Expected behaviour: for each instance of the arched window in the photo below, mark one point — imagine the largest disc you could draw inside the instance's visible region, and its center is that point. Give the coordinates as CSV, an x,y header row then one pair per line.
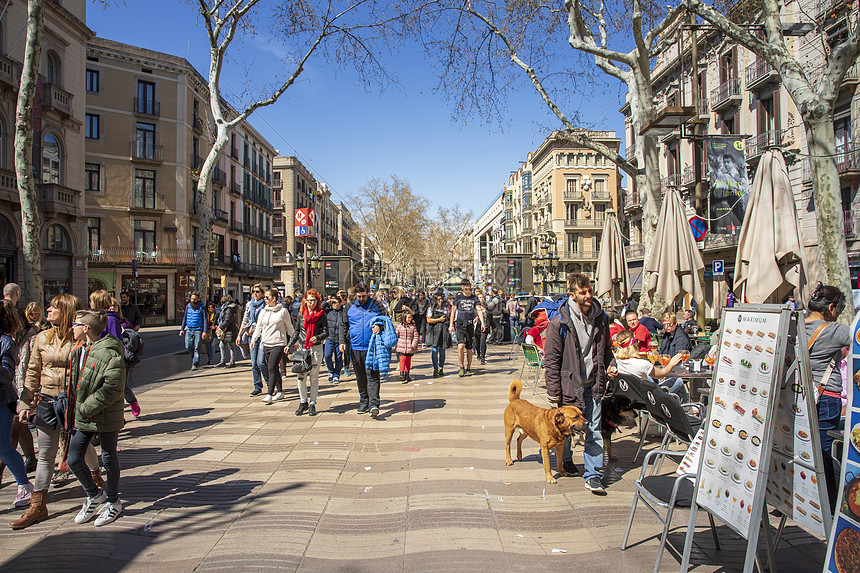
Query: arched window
x,y
53,71
50,160
58,239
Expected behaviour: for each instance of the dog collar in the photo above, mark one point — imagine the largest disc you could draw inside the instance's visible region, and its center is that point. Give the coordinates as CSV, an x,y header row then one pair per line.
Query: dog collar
x,y
613,426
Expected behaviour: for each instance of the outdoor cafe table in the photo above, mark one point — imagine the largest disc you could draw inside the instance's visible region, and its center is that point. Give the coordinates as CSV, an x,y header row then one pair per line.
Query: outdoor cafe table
x,y
696,381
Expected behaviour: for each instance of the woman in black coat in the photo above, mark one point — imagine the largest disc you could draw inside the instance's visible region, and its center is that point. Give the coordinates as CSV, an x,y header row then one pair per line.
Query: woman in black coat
x,y
229,323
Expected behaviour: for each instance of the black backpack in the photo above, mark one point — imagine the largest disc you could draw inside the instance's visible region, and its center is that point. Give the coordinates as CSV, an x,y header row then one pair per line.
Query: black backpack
x,y
133,344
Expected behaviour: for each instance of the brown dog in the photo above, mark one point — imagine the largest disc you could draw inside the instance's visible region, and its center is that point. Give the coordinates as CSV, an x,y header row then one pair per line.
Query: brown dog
x,y
548,427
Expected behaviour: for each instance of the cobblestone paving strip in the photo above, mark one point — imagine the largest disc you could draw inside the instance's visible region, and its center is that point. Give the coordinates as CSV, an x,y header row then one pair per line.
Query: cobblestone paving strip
x,y
216,481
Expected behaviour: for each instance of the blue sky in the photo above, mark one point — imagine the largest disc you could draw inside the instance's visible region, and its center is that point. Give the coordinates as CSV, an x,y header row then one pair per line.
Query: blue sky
x,y
348,135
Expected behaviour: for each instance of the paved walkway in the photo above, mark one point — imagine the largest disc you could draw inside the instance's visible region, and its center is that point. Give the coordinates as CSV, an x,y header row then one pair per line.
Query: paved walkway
x,y
214,480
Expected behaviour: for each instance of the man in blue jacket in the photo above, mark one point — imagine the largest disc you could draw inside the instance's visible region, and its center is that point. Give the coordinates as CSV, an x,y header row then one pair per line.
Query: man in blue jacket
x,y
194,327
357,326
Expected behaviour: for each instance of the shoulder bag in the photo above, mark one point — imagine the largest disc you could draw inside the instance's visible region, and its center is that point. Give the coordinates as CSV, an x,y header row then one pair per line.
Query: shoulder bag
x,y
819,390
302,361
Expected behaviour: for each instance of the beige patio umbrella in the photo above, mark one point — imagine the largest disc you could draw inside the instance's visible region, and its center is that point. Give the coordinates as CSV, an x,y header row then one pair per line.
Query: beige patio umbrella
x,y
675,265
770,262
612,274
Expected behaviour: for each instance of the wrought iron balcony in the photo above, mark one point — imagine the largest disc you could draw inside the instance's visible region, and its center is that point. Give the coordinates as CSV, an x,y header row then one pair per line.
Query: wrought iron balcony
x,y
636,251
726,94
579,256
759,73
583,223
758,144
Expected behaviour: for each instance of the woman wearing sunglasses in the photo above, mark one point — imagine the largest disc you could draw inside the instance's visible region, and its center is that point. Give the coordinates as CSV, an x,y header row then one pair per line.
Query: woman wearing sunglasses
x,y
47,376
273,328
311,332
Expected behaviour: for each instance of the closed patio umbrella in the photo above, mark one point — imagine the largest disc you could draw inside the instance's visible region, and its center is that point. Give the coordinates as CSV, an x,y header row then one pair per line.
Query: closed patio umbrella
x,y
612,274
770,263
675,265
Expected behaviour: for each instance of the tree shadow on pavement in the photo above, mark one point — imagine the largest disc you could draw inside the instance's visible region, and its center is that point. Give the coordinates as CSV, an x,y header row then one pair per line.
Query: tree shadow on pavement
x,y
137,457
168,427
410,406
183,504
177,414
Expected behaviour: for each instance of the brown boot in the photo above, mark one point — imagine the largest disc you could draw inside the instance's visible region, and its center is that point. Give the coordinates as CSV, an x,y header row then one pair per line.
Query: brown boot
x,y
37,511
97,477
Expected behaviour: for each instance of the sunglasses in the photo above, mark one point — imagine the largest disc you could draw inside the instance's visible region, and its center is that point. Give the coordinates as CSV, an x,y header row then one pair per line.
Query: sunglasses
x,y
311,300
78,324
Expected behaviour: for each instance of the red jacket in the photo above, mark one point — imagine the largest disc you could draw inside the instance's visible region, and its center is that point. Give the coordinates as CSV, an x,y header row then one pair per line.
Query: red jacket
x,y
407,338
643,337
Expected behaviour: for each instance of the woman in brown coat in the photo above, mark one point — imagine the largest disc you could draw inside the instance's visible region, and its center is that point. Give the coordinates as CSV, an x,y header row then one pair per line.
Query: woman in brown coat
x,y
46,375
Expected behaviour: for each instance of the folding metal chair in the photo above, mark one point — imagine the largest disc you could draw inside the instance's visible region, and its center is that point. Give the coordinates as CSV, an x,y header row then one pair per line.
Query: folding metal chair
x,y
515,333
533,359
664,491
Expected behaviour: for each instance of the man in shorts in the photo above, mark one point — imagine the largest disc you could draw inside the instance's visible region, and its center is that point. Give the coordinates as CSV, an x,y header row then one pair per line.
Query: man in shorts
x,y
463,314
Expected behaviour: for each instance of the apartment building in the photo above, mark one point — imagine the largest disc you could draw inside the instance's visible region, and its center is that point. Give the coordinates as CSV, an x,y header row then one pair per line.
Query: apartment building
x,y
488,234
554,208
740,96
58,146
147,130
324,255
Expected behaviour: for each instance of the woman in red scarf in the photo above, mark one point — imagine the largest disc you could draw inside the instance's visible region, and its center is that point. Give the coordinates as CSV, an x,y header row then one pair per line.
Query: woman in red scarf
x,y
311,332
536,335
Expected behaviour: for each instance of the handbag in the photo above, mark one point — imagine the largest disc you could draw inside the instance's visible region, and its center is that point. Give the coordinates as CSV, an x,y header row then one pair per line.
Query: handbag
x,y
46,416
302,361
220,333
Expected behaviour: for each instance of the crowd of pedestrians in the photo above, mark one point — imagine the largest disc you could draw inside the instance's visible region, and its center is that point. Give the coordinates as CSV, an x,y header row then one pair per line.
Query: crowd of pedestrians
x,y
63,378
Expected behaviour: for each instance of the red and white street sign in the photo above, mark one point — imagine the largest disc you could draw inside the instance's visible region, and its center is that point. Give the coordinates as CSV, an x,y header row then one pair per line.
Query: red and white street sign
x,y
301,217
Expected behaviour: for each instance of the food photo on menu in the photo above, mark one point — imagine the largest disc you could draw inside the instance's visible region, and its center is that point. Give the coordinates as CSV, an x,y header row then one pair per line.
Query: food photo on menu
x,y
852,435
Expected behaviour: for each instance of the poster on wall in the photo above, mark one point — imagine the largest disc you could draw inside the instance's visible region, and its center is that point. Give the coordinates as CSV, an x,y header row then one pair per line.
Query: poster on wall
x,y
729,185
843,551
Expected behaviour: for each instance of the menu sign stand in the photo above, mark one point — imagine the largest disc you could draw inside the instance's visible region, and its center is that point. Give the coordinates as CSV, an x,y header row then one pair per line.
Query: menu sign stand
x,y
843,551
761,442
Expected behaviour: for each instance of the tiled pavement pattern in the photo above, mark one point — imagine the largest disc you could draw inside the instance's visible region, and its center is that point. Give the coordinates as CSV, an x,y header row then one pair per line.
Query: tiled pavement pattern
x,y
216,481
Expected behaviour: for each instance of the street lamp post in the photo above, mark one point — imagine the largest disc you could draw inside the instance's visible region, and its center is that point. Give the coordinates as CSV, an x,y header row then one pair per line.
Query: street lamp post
x,y
546,260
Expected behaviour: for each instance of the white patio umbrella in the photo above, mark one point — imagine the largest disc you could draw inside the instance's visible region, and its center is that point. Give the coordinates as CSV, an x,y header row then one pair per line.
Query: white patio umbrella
x,y
612,274
770,263
674,263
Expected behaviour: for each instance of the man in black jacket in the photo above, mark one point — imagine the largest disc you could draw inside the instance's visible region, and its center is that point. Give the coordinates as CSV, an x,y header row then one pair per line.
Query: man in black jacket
x,y
578,352
129,310
675,339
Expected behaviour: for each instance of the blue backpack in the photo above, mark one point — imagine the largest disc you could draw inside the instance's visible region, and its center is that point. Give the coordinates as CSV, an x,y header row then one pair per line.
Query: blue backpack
x,y
551,308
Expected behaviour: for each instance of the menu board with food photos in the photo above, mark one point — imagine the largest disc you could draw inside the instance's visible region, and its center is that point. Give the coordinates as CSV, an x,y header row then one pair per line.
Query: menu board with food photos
x,y
761,436
843,552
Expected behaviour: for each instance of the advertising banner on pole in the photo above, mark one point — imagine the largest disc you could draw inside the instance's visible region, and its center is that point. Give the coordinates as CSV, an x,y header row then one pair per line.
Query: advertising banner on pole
x,y
729,184
843,551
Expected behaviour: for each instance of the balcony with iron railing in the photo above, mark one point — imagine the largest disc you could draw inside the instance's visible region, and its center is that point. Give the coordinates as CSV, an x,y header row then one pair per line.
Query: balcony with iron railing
x,y
197,124
278,230
156,256
9,72
57,100
704,107
572,196
600,195
632,202
848,221
196,161
635,252
758,144
235,189
848,160
143,106
670,181
585,223
236,226
221,215
219,176
759,73
146,201
142,151
256,270
278,183
726,94
578,255
234,152
715,242
688,177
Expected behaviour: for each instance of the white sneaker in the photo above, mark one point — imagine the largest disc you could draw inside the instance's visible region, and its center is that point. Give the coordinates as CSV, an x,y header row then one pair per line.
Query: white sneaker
x,y
23,497
109,513
277,396
267,398
89,507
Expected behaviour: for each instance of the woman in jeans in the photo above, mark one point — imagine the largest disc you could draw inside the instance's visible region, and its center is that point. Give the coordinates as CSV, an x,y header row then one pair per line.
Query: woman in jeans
x,y
47,374
228,321
311,332
273,328
827,337
9,327
437,336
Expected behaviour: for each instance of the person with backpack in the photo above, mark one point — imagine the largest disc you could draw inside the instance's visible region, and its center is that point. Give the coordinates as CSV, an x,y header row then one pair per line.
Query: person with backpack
x,y
333,358
495,307
228,325
578,359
